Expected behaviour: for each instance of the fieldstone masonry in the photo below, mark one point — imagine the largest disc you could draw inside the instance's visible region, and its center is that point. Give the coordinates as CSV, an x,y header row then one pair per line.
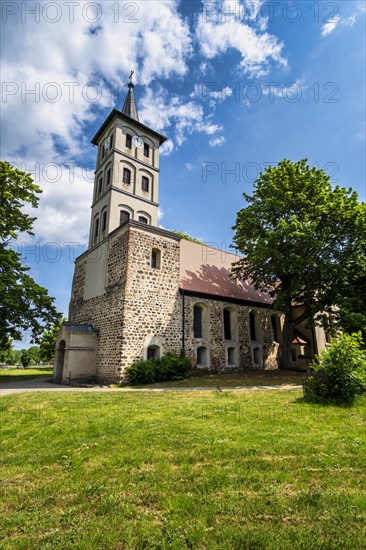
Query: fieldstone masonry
x,y
142,306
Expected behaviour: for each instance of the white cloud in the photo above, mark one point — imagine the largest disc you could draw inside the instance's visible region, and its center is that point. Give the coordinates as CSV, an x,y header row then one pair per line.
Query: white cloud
x,y
217,142
48,126
330,25
338,21
161,111
217,33
189,166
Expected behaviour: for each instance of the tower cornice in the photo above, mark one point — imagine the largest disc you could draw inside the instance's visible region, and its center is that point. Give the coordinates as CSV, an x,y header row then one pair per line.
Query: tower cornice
x,y
115,114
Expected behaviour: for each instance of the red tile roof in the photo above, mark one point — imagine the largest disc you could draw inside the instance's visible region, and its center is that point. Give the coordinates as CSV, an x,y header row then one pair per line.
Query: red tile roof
x,y
206,270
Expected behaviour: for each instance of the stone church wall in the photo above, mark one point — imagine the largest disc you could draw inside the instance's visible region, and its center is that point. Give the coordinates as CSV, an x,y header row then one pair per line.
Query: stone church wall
x,y
141,306
104,312
213,336
152,311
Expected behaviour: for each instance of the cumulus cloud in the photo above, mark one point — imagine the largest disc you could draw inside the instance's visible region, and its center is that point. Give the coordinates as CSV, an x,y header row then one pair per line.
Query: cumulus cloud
x,y
217,142
67,73
224,28
61,78
163,111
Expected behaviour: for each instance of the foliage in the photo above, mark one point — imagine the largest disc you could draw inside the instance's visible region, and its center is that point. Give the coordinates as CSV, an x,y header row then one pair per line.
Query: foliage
x,y
340,371
172,366
300,240
187,237
24,304
30,356
48,341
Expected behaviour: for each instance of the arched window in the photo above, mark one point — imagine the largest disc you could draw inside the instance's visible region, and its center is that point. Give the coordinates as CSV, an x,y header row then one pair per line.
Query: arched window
x,y
199,320
155,258
124,217
111,141
252,327
257,356
109,174
142,219
126,176
100,185
96,228
275,328
153,352
145,184
201,356
231,356
104,221
228,324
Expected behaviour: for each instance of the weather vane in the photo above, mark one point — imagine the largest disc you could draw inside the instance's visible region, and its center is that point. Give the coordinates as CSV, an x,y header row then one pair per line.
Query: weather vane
x,y
130,77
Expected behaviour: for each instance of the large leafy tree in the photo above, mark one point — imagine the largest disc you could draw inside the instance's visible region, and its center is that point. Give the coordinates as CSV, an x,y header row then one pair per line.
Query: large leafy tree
x,y
48,341
24,304
302,242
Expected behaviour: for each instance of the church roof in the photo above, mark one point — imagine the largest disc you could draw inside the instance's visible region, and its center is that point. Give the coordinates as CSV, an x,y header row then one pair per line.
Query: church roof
x,y
206,271
129,107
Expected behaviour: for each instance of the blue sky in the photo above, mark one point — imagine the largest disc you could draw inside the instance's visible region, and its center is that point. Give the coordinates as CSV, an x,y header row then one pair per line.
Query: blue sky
x,y
231,91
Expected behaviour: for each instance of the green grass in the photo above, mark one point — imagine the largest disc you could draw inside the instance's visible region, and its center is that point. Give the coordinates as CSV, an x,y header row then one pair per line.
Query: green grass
x,y
204,470
239,379
16,375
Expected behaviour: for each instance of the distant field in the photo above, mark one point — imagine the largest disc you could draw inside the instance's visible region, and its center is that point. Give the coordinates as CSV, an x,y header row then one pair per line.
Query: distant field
x,y
181,470
15,374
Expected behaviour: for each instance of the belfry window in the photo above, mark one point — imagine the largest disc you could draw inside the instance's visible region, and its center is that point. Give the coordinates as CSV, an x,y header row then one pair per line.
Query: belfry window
x,y
96,229
100,185
146,150
124,217
126,176
108,177
128,141
145,184
142,219
104,221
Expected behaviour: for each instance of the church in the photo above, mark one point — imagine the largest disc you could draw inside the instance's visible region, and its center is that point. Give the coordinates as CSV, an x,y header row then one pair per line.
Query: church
x,y
140,291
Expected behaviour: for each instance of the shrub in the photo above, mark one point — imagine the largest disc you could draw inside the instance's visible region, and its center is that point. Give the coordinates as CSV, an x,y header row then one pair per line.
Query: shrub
x,y
172,366
340,371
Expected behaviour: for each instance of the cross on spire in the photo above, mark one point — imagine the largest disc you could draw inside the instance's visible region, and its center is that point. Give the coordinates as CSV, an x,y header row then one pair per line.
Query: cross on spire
x,y
129,107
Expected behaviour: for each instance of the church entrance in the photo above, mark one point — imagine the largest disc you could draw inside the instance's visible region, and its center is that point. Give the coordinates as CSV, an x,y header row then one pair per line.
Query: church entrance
x,y
60,359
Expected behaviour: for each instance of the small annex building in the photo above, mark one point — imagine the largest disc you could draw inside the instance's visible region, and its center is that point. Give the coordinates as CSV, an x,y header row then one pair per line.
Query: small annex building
x,y
140,291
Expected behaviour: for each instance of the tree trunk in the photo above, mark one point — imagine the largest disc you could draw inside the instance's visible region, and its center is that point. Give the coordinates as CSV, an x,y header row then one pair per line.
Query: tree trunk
x,y
288,329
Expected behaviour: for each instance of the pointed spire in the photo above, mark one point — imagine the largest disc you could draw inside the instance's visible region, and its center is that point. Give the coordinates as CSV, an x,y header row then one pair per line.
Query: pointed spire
x,y
129,107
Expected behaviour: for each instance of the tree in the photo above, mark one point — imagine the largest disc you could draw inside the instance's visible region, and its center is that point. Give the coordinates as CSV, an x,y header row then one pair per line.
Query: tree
x,y
23,304
300,239
48,341
30,356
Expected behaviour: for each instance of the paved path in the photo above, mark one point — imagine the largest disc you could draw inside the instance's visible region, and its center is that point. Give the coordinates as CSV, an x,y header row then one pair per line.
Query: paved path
x,y
42,384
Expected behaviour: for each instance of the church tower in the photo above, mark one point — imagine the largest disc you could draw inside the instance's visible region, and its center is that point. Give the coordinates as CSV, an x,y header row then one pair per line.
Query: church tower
x,y
126,185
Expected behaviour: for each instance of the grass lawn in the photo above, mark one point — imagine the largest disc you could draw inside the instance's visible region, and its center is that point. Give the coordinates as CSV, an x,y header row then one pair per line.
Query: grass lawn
x,y
246,378
15,375
204,470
